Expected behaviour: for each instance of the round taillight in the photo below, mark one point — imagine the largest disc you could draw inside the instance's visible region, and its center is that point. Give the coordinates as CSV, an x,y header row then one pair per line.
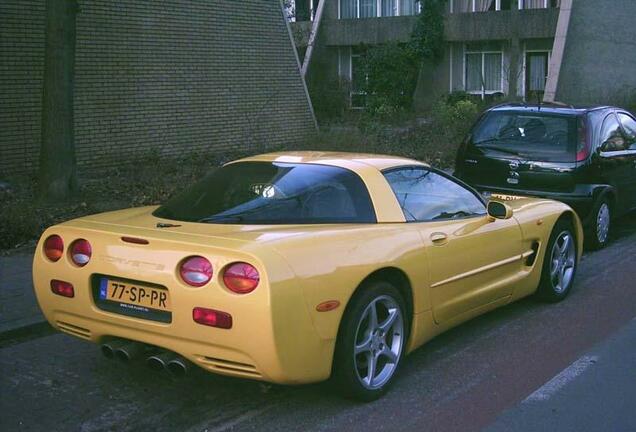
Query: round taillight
x,y
54,247
241,278
81,252
196,271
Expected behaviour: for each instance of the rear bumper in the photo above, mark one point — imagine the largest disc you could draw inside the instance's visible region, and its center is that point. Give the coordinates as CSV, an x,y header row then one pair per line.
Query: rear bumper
x,y
581,200
272,338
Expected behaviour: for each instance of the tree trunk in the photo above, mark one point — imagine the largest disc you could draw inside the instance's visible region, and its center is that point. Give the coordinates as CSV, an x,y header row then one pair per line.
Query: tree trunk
x,y
57,177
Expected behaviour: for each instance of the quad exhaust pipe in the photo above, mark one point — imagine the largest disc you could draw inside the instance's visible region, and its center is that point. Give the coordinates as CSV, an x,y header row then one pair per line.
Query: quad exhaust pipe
x,y
127,351
110,348
171,362
122,350
178,367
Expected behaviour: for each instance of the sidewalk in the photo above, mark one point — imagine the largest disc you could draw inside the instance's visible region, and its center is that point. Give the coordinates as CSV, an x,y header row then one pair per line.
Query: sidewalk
x,y
18,306
595,393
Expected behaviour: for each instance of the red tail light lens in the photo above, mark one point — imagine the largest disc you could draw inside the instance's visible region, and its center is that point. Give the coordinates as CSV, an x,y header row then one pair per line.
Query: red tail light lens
x,y
212,318
54,247
81,252
196,271
241,278
62,288
584,145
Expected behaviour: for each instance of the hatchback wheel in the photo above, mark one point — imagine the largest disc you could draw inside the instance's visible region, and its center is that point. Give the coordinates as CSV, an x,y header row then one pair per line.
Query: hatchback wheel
x,y
559,263
599,235
370,342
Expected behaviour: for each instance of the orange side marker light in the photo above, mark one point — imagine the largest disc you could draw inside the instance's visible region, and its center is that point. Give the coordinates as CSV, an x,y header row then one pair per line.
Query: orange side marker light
x,y
328,305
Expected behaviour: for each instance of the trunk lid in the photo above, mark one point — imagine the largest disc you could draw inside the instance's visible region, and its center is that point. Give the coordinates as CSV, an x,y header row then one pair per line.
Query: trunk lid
x,y
141,223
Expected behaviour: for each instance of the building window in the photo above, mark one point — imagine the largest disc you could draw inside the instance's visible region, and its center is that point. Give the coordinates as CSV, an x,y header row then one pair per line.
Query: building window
x,y
378,8
539,4
483,73
358,78
351,70
536,65
464,6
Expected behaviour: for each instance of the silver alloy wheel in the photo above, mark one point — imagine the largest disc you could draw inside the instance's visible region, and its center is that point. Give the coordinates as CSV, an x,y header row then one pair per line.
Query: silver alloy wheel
x,y
378,342
602,223
562,262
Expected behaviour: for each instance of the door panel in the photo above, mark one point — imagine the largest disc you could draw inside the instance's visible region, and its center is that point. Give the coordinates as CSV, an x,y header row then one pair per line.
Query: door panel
x,y
473,262
629,128
618,162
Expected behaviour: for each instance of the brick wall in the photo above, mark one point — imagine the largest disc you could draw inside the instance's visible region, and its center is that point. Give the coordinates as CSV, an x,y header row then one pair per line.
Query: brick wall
x,y
21,65
166,76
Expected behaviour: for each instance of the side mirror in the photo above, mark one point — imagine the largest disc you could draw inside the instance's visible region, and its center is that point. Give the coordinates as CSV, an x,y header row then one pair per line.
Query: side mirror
x,y
616,143
499,210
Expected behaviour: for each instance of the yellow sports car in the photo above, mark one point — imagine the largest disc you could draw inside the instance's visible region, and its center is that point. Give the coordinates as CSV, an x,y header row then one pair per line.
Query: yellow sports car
x,y
296,267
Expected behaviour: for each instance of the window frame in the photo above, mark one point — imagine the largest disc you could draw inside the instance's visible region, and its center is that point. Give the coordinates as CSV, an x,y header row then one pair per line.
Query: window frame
x,y
522,5
632,144
612,153
483,53
524,67
497,7
378,10
447,176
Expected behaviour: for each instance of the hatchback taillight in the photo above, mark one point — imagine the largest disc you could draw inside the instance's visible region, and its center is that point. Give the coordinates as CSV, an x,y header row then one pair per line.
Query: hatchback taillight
x,y
241,278
62,288
54,247
81,252
584,144
196,271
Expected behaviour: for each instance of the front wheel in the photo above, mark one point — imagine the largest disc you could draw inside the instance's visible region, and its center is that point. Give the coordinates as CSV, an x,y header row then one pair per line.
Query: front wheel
x,y
370,341
559,263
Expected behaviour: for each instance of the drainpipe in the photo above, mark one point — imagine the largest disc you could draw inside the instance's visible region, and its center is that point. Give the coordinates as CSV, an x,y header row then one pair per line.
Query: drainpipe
x,y
557,51
312,37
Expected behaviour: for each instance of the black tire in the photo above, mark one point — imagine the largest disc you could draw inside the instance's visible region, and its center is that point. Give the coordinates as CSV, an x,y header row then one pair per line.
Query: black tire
x,y
596,238
553,288
346,372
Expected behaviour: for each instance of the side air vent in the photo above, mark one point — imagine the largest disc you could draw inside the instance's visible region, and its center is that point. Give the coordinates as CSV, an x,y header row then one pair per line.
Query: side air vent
x,y
228,366
530,259
74,330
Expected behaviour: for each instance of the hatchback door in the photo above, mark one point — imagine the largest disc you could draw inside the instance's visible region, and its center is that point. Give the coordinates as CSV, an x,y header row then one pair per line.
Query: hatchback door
x,y
527,151
618,157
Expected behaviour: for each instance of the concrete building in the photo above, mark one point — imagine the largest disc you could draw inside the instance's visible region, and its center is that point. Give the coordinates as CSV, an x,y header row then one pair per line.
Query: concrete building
x,y
168,76
582,50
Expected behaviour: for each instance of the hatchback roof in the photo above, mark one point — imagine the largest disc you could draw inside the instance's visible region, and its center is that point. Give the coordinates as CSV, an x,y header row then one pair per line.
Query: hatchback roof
x,y
555,108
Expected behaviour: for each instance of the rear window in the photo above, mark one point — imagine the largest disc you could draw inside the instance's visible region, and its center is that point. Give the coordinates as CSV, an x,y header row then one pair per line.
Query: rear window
x,y
273,193
536,136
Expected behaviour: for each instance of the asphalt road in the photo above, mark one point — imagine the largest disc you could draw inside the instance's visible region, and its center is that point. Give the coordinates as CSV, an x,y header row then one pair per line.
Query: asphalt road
x,y
471,378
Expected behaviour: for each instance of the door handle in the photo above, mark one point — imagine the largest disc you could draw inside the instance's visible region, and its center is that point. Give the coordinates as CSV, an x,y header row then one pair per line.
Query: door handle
x,y
439,238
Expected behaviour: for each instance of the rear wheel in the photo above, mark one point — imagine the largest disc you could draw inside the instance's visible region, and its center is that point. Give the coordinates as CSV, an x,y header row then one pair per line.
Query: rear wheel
x,y
370,342
600,229
559,263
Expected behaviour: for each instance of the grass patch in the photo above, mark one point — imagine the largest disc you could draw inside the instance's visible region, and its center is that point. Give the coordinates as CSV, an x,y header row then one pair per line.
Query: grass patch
x,y
150,180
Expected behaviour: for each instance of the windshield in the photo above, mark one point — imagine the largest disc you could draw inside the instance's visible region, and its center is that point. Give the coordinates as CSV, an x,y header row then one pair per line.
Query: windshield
x,y
273,193
536,136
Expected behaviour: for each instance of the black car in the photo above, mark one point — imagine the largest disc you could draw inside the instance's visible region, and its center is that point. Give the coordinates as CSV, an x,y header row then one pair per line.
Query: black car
x,y
585,157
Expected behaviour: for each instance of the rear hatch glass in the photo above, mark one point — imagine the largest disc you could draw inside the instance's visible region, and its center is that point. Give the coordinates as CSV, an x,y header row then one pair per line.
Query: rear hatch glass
x,y
535,136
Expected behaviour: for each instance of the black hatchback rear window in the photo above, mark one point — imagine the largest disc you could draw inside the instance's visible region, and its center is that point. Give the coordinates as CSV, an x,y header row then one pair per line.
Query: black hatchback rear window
x,y
534,135
273,193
